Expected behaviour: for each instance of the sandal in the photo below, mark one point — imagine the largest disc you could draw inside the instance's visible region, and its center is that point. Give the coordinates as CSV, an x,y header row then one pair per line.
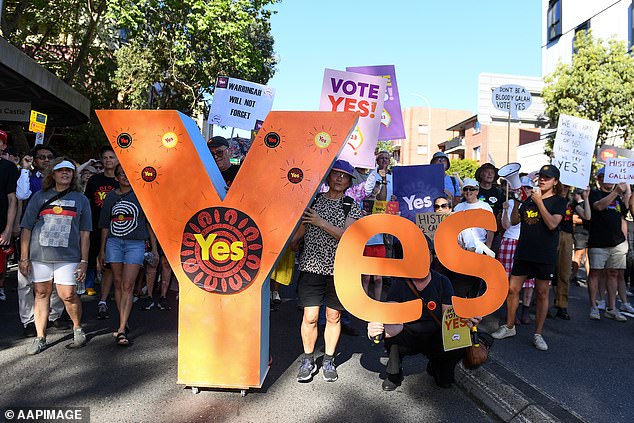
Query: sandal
x,y
122,340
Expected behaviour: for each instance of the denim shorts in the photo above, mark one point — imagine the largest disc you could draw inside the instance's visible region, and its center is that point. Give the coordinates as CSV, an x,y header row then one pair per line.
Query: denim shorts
x,y
128,251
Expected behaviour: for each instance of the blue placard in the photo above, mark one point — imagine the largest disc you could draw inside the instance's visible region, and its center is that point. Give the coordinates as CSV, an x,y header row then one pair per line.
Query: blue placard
x,y
416,187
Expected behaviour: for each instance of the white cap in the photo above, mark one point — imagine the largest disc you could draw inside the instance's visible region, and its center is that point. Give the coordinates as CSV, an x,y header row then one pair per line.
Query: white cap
x,y
470,182
64,165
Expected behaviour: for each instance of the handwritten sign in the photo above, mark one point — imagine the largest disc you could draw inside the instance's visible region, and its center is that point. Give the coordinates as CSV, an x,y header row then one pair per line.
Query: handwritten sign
x,y
355,92
574,148
428,222
391,119
619,170
240,104
515,97
455,332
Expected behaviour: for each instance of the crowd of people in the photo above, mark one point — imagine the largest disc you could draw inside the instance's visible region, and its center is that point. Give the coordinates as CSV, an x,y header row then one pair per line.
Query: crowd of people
x,y
68,225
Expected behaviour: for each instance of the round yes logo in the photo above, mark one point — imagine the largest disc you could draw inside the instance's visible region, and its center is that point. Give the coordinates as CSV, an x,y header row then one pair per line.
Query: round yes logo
x,y
221,250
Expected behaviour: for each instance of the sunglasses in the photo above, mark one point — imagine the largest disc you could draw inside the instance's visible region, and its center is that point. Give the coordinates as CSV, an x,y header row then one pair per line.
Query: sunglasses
x,y
45,157
441,206
470,189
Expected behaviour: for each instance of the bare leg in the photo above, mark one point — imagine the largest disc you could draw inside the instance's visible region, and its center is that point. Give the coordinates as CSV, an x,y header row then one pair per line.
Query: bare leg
x,y
593,283
611,285
106,283
309,328
543,290
42,291
332,331
622,288
166,277
513,299
150,278
72,302
130,272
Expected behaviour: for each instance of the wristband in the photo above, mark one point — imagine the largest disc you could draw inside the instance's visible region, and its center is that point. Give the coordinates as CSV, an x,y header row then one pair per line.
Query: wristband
x,y
24,260
83,261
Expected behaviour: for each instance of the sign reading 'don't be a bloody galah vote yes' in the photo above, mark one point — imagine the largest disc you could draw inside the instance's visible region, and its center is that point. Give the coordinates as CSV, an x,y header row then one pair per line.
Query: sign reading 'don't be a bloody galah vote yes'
x,y
511,97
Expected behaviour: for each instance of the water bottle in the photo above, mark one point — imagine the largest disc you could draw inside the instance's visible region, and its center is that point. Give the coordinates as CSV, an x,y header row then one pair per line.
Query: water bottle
x,y
81,285
149,258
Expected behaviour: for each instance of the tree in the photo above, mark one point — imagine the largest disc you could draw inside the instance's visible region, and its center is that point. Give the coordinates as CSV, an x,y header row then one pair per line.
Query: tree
x,y
465,168
598,85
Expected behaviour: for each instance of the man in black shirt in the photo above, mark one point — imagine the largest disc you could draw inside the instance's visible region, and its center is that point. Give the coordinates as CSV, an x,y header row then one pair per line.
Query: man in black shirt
x,y
219,149
490,193
8,208
607,245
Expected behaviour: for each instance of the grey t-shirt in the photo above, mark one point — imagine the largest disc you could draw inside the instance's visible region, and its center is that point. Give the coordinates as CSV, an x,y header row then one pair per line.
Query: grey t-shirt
x,y
123,216
55,231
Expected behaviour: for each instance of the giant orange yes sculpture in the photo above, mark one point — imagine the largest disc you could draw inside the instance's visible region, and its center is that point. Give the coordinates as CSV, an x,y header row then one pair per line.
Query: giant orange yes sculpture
x,y
222,245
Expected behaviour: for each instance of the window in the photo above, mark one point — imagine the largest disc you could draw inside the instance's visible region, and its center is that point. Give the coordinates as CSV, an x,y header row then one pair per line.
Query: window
x,y
423,129
554,20
421,149
477,128
476,154
584,27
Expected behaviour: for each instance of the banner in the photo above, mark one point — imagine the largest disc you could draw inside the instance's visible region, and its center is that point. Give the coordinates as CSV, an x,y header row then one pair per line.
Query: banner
x,y
428,222
391,119
416,187
619,170
355,92
574,148
240,104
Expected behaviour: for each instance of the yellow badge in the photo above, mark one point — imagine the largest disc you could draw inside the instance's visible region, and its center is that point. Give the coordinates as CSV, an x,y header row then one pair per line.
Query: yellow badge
x,y
57,209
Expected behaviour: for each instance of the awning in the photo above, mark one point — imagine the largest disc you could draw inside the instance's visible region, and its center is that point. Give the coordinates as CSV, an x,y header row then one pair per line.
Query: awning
x,y
24,80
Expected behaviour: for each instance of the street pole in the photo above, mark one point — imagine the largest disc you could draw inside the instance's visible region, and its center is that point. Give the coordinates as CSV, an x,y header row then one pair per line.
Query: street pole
x,y
428,124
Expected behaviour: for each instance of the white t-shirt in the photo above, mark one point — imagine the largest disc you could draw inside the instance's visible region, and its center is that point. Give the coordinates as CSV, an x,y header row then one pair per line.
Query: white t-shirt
x,y
513,232
468,237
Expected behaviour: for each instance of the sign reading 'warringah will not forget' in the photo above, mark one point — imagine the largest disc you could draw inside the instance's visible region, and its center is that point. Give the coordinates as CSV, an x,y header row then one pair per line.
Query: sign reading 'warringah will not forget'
x,y
240,104
574,148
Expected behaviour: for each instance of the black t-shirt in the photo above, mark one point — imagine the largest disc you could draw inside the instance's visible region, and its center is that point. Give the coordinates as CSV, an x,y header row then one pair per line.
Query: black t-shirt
x,y
537,243
605,225
97,187
439,290
230,174
9,175
566,222
493,197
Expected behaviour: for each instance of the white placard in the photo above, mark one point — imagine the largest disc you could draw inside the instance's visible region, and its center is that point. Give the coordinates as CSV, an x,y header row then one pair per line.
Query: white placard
x,y
619,170
39,138
573,149
240,104
516,97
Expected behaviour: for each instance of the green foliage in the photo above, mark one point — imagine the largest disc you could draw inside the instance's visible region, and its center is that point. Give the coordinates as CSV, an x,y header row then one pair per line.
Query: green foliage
x,y
598,85
465,168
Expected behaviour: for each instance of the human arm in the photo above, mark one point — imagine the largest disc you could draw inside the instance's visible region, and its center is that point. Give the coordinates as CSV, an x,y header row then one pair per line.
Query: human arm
x,y
584,212
297,237
101,259
23,190
310,216
515,213
84,247
505,220
153,242
25,243
608,199
550,220
12,209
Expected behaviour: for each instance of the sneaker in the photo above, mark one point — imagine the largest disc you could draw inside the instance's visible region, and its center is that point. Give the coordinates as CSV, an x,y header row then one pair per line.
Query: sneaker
x,y
330,372
504,332
275,298
102,311
615,314
3,296
163,304
147,304
594,313
91,292
29,330
627,307
601,304
79,338
392,382
307,369
562,313
37,346
539,342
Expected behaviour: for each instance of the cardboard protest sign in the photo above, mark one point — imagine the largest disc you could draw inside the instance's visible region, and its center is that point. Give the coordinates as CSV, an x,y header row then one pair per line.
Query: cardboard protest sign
x,y
240,104
428,222
513,97
574,148
455,332
377,206
223,244
416,187
619,170
611,152
392,117
355,92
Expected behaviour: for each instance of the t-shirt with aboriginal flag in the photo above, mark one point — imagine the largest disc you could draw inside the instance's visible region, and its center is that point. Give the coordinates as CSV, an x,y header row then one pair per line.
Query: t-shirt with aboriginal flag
x,y
55,230
123,216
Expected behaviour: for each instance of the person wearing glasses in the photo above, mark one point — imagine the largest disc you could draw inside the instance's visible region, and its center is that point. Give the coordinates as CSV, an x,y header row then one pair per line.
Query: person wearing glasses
x,y
472,239
219,149
442,205
452,183
33,166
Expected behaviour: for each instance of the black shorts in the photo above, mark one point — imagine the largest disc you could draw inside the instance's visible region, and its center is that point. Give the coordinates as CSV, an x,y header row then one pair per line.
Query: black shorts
x,y
316,290
580,237
531,269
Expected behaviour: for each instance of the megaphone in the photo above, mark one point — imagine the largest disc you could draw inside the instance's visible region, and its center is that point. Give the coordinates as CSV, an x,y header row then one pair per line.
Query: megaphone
x,y
511,172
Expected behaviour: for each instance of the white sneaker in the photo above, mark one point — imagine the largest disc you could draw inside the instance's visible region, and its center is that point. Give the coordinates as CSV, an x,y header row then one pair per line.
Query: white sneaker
x,y
539,342
504,332
275,297
594,313
601,304
615,314
627,307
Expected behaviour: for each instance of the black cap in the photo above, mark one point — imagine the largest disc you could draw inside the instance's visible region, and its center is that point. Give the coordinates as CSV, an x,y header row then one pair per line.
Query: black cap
x,y
218,141
549,171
